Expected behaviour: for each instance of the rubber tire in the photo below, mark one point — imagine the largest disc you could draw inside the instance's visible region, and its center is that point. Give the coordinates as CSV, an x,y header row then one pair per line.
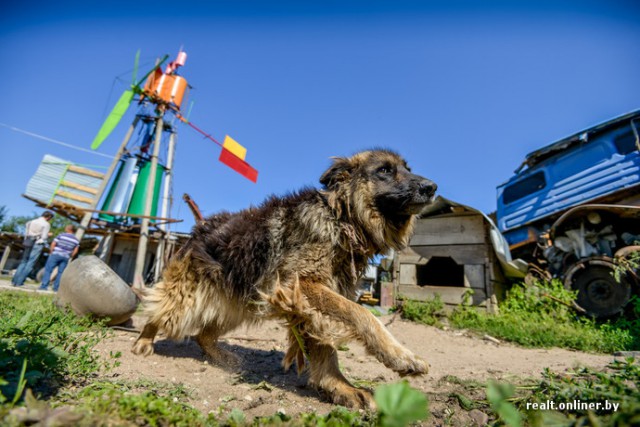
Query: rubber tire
x,y
598,291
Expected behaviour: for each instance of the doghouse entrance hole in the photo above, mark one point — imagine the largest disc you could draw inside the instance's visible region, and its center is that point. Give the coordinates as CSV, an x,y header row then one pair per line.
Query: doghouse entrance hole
x,y
440,271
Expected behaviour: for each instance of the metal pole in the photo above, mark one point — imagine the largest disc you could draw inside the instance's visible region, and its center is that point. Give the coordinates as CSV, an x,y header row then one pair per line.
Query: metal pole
x,y
86,219
166,206
138,279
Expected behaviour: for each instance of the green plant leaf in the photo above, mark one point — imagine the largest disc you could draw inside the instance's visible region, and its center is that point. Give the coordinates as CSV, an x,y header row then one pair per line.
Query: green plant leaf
x,y
497,395
399,404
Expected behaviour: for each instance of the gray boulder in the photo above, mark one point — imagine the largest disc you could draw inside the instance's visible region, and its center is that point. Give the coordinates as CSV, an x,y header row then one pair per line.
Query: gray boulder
x,y
89,286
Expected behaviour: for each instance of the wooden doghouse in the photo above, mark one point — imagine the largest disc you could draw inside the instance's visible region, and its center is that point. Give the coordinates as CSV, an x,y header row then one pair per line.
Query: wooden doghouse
x,y
454,249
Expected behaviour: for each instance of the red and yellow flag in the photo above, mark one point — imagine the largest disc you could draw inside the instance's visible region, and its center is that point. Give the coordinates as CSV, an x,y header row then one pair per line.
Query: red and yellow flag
x,y
237,164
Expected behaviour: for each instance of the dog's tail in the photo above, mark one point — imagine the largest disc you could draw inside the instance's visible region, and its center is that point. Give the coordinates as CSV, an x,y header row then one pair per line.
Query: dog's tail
x,y
140,293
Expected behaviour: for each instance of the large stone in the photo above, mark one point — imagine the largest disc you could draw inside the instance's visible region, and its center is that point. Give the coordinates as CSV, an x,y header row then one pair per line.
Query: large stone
x,y
89,286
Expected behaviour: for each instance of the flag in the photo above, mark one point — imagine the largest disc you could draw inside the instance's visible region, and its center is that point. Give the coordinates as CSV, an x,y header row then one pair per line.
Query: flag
x,y
237,164
237,149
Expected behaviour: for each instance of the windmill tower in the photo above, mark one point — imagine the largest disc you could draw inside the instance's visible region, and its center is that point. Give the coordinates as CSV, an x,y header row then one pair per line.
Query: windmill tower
x,y
134,192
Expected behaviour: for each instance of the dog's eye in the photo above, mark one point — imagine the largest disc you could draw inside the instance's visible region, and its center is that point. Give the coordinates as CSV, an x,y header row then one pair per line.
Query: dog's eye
x,y
385,170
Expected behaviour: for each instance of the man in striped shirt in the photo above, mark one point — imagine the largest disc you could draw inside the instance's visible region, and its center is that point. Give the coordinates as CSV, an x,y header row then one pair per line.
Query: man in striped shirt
x,y
63,248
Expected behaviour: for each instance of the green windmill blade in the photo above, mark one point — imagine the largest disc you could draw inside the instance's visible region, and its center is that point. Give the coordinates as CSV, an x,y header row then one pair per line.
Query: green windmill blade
x,y
123,103
113,118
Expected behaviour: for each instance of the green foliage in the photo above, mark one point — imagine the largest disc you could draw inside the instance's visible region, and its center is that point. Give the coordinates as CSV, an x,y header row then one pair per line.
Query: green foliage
x,y
108,403
498,395
626,265
49,344
567,392
542,316
16,224
399,405
618,384
427,312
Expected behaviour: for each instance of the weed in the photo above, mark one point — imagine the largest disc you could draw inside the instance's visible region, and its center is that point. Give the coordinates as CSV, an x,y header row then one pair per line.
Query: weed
x,y
102,401
399,405
576,398
375,311
427,312
498,396
55,345
541,316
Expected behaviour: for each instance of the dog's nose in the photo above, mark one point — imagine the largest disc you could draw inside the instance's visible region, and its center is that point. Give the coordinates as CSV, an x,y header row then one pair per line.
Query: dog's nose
x,y
427,188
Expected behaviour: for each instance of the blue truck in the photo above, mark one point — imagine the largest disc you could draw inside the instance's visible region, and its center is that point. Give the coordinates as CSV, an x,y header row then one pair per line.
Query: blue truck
x,y
573,207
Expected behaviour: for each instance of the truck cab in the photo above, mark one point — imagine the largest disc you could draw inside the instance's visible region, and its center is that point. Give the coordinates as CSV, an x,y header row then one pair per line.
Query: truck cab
x,y
598,166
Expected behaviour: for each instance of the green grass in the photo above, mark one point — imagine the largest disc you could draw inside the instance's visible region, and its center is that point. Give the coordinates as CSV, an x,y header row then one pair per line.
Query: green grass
x,y
539,316
57,347
618,384
426,312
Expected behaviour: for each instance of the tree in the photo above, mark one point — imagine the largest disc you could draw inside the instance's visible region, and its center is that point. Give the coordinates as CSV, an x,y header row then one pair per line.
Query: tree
x,y
15,224
3,214
58,223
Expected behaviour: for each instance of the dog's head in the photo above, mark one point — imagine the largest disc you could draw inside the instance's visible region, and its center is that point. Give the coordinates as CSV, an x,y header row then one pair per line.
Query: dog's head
x,y
378,186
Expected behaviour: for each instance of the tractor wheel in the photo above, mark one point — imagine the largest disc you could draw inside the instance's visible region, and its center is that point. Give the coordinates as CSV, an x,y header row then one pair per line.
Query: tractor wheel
x,y
598,291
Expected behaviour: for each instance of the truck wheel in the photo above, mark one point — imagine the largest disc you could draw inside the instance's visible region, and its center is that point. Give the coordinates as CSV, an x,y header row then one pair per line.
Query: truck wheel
x,y
598,291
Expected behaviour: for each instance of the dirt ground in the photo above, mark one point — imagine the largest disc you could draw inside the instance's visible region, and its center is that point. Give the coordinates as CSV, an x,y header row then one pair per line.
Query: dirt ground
x,y
260,387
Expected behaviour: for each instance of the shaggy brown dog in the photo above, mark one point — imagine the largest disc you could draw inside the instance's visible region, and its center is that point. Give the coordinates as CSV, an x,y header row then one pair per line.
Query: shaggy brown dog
x,y
298,258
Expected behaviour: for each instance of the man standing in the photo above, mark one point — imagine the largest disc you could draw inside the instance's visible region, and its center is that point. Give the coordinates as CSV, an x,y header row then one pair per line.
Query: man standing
x,y
63,248
36,235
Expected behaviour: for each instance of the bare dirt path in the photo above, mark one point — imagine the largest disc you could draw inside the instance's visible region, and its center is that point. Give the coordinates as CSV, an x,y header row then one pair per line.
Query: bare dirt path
x,y
261,388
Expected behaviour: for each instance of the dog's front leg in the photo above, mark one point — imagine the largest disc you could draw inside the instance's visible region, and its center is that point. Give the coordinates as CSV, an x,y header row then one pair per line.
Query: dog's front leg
x,y
365,327
325,375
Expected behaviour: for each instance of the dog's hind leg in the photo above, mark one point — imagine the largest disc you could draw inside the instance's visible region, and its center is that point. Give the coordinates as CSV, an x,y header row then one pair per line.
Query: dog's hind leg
x,y
208,341
325,375
144,344
328,307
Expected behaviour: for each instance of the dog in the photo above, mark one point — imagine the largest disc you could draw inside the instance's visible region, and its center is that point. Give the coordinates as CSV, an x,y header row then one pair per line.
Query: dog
x,y
297,258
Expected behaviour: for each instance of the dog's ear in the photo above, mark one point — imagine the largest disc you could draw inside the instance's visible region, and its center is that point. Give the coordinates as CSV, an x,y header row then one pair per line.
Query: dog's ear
x,y
339,171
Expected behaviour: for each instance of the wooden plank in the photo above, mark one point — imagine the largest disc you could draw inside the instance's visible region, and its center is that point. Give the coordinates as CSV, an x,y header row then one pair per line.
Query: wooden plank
x,y
448,294
474,276
80,187
5,256
449,231
462,254
72,196
84,171
407,274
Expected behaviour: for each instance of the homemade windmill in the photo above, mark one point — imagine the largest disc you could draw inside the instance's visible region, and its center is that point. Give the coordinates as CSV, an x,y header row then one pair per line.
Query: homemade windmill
x,y
167,91
134,192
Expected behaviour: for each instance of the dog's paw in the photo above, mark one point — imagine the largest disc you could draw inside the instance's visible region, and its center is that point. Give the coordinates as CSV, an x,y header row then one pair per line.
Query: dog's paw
x,y
408,363
355,398
142,347
416,367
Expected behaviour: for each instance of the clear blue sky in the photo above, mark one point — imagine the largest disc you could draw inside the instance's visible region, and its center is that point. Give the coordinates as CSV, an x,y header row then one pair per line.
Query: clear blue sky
x,y
464,90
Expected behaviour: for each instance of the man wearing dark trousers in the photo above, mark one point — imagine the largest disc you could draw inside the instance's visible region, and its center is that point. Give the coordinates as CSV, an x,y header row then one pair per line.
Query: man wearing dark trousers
x,y
36,235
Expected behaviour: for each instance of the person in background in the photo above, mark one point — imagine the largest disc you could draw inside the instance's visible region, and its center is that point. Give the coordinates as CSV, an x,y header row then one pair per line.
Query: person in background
x,y
36,235
63,248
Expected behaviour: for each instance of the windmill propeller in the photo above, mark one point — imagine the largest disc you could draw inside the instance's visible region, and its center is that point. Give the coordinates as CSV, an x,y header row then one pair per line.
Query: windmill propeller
x,y
123,103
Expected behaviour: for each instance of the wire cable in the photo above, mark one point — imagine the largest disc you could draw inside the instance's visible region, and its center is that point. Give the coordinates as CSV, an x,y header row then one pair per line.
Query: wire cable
x,y
55,141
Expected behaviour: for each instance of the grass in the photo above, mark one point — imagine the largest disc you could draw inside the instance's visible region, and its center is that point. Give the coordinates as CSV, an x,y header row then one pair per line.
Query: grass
x,y
569,393
426,312
538,316
55,346
48,368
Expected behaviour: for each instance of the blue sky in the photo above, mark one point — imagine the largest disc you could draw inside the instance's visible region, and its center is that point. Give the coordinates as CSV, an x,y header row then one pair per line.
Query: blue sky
x,y
464,90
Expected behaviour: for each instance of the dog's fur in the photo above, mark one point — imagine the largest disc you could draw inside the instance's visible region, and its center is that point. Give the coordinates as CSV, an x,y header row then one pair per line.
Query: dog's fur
x,y
298,258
